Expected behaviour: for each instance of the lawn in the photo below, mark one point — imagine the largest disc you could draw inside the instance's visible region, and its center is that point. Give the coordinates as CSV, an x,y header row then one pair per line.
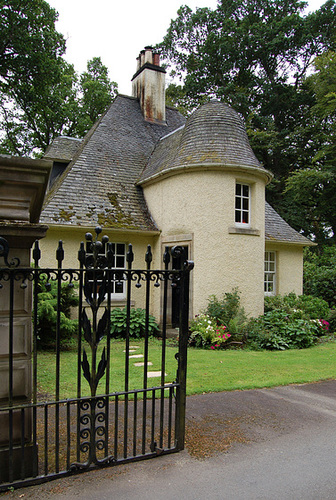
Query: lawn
x,y
208,371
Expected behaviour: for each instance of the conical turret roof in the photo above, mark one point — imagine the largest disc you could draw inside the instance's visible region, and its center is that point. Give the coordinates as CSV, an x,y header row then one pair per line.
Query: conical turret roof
x,y
214,135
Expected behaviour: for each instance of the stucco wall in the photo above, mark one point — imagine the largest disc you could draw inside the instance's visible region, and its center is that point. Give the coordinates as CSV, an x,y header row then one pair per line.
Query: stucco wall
x,y
72,237
289,267
201,203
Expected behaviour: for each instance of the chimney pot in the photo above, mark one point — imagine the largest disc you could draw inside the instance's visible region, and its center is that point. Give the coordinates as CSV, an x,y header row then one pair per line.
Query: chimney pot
x,y
156,59
149,55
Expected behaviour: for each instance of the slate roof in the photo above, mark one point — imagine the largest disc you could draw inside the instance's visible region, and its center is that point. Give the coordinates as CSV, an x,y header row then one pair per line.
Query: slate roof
x,y
99,185
277,230
213,134
63,149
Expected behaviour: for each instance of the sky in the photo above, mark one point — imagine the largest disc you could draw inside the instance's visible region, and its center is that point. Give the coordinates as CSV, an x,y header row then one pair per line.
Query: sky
x,y
116,30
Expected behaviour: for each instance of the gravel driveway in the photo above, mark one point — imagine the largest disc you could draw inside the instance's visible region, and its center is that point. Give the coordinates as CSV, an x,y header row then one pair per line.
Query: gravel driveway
x,y
260,444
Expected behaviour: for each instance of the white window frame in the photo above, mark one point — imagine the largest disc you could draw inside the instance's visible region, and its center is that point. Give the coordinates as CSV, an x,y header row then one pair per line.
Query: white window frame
x,y
270,273
117,295
242,205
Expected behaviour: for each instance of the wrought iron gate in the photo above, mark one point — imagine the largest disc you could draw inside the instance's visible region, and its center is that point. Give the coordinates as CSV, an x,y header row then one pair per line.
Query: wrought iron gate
x,y
46,436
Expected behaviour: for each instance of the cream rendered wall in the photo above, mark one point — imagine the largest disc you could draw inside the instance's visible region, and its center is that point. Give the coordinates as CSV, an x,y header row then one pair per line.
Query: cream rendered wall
x,y
289,267
72,236
201,203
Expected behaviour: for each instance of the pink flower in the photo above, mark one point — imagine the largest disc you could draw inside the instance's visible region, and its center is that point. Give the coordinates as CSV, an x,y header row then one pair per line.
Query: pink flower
x,y
212,347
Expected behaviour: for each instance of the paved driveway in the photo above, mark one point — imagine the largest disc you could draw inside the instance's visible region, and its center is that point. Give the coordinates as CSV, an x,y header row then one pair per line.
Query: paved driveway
x,y
261,444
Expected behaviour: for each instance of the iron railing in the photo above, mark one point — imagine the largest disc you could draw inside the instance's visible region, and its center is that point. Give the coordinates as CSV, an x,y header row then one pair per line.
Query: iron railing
x,y
47,436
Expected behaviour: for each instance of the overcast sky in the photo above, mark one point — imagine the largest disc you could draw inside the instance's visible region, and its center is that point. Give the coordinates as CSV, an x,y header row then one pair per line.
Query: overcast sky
x,y
116,30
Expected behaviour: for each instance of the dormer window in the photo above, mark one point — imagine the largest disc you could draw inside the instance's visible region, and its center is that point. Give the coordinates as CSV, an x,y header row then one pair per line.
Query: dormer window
x,y
242,205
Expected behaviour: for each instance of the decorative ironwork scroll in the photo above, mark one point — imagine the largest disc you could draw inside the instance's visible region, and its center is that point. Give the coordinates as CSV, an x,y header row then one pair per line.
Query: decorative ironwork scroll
x,y
96,286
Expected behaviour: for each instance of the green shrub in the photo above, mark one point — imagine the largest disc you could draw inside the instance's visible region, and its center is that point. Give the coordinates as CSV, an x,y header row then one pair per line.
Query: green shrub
x,y
47,314
304,306
228,312
137,326
225,309
204,332
279,330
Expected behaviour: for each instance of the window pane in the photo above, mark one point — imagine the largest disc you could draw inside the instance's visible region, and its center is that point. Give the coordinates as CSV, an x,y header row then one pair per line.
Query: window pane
x,y
238,203
120,261
237,216
120,249
238,189
245,203
245,190
245,217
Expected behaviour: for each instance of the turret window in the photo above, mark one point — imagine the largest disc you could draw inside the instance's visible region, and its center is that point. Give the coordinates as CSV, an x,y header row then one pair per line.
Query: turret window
x,y
242,204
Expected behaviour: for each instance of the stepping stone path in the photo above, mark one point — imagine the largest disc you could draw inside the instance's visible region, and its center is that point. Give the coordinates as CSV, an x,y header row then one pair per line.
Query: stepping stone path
x,y
149,374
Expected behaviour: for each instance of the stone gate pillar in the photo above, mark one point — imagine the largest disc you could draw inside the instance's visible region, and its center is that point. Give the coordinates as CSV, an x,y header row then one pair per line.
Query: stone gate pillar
x,y
23,183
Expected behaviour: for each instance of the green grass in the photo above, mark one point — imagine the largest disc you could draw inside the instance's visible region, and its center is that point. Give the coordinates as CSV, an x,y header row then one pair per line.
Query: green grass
x,y
208,371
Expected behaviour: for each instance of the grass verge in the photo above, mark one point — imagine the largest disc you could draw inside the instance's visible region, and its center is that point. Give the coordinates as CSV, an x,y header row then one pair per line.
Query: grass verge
x,y
208,371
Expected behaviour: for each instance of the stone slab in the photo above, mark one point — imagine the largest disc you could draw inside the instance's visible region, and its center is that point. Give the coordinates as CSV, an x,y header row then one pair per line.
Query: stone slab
x,y
154,374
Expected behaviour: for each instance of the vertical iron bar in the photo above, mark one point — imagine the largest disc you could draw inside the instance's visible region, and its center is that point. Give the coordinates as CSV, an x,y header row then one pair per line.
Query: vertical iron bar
x,y
10,377
148,259
166,260
182,357
59,258
108,345
68,417
153,444
135,423
81,258
46,444
170,412
116,426
36,280
129,258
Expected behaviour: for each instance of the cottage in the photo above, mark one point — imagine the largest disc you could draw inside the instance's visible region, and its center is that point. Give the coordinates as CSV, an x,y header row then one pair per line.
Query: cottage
x,y
149,176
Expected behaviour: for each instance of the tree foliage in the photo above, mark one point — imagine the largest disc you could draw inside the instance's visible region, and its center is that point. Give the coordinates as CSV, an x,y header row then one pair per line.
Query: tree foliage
x,y
313,188
256,55
319,273
41,95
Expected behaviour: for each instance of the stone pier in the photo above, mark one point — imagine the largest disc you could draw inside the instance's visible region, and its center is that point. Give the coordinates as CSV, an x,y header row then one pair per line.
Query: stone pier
x,y
23,183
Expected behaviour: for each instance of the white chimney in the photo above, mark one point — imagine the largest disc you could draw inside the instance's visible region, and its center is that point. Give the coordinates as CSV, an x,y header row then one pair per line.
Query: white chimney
x,y
148,85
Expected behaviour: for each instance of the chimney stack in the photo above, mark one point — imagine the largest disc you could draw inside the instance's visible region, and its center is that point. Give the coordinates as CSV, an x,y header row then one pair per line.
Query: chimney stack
x,y
148,85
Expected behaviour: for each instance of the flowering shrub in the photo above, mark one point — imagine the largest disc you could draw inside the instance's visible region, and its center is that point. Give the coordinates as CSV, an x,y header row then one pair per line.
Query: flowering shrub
x,y
323,326
206,333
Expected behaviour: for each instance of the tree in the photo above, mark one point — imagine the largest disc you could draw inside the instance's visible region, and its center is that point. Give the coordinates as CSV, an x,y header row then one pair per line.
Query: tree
x,y
314,187
41,95
32,118
30,46
97,92
255,55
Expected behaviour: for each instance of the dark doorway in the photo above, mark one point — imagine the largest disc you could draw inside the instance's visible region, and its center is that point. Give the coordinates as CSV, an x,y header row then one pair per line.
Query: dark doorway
x,y
177,265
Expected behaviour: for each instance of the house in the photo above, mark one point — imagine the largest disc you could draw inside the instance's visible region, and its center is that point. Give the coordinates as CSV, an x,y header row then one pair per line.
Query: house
x,y
149,176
